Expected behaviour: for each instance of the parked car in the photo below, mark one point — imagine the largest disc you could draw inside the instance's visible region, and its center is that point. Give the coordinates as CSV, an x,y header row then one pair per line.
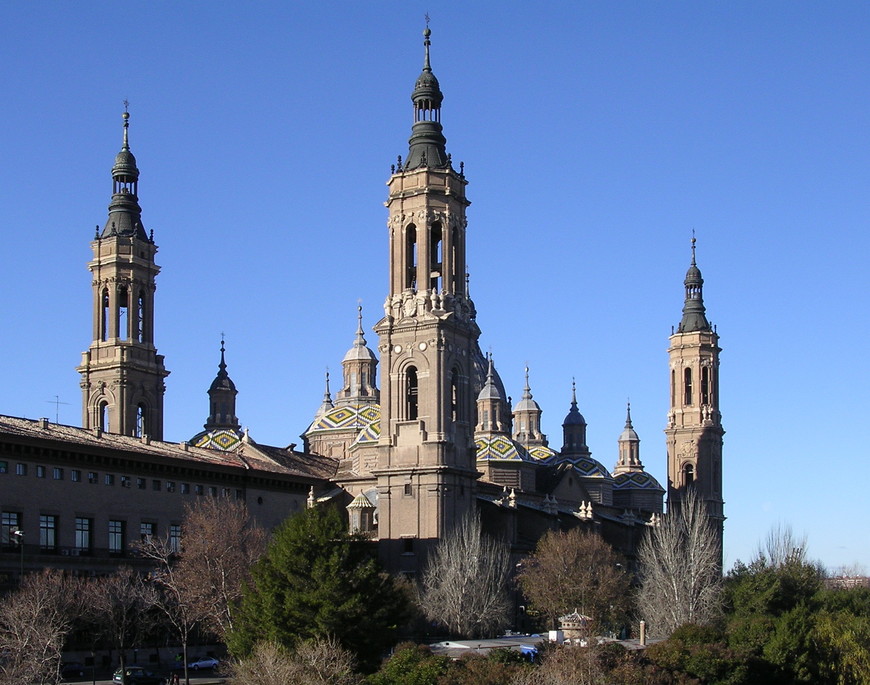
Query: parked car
x,y
137,675
204,662
72,669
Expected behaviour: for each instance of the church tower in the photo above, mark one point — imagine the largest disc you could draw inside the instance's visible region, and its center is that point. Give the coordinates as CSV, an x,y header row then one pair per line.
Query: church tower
x,y
359,372
574,430
222,399
527,419
694,432
122,374
428,345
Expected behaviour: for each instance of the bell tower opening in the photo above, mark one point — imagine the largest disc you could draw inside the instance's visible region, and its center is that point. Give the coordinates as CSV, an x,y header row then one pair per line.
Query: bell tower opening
x,y
411,394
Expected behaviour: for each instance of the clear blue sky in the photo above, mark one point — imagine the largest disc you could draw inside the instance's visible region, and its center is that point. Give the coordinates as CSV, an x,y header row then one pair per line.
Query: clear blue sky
x,y
596,136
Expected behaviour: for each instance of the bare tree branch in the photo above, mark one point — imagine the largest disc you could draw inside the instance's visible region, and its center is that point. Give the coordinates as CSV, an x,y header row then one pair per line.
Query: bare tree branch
x,y
219,545
680,579
465,583
34,622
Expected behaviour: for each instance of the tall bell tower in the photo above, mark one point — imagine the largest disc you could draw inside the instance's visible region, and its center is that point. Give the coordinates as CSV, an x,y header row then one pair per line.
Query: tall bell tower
x,y
694,432
428,341
122,374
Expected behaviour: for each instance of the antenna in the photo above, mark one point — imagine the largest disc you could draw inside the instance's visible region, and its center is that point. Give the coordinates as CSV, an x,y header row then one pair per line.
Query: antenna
x,y
56,402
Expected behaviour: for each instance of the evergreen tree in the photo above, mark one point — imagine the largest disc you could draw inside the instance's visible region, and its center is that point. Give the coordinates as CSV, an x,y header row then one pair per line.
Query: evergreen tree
x,y
316,580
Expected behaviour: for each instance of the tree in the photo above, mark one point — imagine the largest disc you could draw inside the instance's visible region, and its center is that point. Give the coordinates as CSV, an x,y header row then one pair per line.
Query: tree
x,y
680,579
781,547
172,596
117,608
576,570
34,622
322,661
316,580
465,582
219,545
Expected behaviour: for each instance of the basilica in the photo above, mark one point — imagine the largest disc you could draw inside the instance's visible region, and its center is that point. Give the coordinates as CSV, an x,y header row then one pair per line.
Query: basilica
x,y
417,433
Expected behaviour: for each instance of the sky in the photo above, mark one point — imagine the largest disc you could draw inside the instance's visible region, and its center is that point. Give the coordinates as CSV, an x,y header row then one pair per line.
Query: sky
x,y
596,137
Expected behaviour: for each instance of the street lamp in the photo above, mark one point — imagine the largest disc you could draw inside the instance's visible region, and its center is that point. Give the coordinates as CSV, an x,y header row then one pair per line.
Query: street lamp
x,y
18,534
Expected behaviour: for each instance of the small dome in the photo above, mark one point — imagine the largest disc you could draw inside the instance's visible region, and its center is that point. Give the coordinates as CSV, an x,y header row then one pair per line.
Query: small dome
x,y
359,353
574,418
223,382
636,480
223,439
125,164
361,502
629,435
693,275
344,417
587,467
500,448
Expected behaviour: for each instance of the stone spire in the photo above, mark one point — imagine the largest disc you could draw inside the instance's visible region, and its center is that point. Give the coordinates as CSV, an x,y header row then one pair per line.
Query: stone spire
x,y
427,142
125,215
360,369
527,419
694,316
326,405
222,398
629,447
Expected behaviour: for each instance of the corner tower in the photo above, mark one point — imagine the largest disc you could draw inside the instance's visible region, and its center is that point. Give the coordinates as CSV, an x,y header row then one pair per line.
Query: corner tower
x,y
122,374
694,432
428,344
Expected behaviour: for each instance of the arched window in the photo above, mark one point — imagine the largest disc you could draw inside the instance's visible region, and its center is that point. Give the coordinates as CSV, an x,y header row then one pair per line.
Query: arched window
x,y
123,311
673,388
688,474
435,257
141,427
103,411
411,257
104,315
705,385
687,386
411,391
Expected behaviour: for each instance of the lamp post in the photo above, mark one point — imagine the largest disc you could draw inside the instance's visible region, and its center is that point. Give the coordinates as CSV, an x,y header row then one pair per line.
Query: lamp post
x,y
18,534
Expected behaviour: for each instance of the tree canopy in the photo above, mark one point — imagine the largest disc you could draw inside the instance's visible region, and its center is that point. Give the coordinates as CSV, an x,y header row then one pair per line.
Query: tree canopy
x,y
578,570
316,580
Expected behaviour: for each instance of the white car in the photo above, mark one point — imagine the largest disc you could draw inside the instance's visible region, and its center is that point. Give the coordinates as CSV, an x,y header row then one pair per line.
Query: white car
x,y
204,662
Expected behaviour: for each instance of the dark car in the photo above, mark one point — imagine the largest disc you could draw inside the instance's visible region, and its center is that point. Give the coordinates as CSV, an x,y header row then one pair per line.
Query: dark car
x,y
137,675
72,669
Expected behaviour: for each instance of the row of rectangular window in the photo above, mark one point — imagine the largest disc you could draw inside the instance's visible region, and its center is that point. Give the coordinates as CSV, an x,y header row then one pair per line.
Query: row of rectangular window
x,y
11,521
126,481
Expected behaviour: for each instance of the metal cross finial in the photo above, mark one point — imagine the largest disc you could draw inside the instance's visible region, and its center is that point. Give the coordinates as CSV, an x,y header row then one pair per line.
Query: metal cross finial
x,y
427,20
126,104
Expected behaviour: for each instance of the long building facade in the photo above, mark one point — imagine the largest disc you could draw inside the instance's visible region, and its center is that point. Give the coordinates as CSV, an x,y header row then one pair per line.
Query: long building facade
x,y
437,441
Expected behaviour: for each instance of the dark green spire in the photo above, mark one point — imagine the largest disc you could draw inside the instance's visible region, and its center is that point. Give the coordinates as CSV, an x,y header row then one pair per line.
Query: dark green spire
x,y
125,215
427,143
694,316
